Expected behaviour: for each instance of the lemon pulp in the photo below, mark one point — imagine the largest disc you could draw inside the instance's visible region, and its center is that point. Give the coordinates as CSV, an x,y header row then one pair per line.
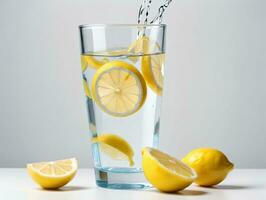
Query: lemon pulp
x,y
118,88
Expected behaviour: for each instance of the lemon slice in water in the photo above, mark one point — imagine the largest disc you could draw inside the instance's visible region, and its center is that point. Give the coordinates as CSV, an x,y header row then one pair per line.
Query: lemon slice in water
x,y
119,89
115,147
92,62
53,174
152,70
144,45
151,65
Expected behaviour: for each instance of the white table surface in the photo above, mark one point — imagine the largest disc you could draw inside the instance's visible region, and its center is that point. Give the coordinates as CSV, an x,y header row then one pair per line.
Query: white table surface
x,y
15,184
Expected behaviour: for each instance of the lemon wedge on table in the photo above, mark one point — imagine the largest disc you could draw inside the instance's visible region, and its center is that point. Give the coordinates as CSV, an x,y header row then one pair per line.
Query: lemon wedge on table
x,y
211,165
115,147
165,172
119,89
53,174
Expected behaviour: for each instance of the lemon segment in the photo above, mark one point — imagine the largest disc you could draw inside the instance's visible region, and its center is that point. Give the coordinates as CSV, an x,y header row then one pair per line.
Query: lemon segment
x,y
119,89
54,174
92,62
151,65
211,165
144,45
115,147
165,172
152,71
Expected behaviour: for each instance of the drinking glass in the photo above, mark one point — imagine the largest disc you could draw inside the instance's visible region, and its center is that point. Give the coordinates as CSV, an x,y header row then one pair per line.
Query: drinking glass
x,y
122,74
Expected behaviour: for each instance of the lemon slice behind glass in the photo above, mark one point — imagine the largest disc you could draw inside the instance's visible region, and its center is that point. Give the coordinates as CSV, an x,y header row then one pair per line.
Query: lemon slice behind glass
x,y
119,89
165,172
53,174
115,147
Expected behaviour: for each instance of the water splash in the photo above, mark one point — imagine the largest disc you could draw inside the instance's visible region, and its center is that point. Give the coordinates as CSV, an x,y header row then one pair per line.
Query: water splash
x,y
145,7
144,11
159,17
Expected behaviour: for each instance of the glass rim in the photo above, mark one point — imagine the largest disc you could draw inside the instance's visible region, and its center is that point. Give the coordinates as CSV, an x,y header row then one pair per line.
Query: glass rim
x,y
84,26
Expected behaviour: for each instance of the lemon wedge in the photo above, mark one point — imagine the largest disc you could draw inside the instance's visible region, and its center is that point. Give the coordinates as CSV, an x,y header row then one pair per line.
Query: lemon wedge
x,y
211,165
165,172
91,61
53,174
119,89
144,45
115,147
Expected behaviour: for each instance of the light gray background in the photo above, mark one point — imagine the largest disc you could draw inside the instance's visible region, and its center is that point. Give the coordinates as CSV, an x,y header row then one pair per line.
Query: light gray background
x,y
214,92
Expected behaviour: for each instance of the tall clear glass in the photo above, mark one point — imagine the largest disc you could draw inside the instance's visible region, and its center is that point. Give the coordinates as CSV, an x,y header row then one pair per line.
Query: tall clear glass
x,y
123,73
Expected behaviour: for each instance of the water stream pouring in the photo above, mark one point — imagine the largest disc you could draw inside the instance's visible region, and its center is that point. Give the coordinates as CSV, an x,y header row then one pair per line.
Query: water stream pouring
x,y
145,7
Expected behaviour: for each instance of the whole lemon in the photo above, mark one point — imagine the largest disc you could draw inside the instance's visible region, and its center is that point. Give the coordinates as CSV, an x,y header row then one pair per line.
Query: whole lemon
x,y
211,165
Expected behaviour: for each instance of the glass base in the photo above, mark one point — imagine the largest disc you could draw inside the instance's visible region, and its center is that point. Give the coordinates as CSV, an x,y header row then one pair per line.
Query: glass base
x,y
121,178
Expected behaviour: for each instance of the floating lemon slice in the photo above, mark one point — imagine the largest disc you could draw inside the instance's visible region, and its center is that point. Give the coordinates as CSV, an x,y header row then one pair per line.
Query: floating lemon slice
x,y
119,89
165,172
152,70
54,174
92,62
143,45
151,65
115,147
